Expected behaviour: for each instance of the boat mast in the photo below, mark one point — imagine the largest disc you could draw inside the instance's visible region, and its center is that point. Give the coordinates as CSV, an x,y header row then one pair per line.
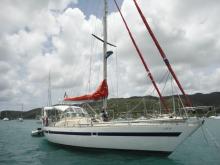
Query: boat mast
x,y
22,108
105,48
49,90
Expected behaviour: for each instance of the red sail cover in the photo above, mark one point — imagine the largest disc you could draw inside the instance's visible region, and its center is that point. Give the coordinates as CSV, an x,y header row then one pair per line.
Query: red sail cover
x,y
100,93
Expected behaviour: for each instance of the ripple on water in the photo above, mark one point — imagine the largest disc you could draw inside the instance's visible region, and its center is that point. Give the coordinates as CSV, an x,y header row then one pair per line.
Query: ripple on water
x,y
17,147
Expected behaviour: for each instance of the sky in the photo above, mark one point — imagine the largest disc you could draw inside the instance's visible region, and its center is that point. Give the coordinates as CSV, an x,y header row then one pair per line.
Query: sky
x,y
47,36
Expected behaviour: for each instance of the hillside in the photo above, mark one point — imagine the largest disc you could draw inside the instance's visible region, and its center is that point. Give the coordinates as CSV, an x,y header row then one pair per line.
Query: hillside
x,y
12,115
212,99
121,105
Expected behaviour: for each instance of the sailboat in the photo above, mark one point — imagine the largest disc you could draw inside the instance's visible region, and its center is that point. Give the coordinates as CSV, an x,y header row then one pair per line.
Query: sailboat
x,y
21,118
73,126
5,118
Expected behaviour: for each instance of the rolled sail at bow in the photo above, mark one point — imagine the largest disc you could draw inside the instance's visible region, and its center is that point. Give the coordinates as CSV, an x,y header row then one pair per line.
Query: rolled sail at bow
x,y
100,93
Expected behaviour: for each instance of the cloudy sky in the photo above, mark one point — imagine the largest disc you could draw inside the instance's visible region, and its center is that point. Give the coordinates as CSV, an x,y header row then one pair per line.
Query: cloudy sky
x,y
38,37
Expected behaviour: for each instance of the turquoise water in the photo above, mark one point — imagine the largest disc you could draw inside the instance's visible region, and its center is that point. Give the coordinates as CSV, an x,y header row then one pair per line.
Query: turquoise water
x,y
17,147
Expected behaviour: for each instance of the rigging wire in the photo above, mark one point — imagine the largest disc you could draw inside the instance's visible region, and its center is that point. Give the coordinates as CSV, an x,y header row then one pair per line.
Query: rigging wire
x,y
142,59
100,71
160,81
93,48
116,70
151,93
153,89
90,65
173,97
111,80
168,75
113,76
163,55
181,102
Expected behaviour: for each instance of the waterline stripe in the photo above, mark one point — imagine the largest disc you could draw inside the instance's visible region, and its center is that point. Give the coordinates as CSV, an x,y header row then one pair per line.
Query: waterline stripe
x,y
172,134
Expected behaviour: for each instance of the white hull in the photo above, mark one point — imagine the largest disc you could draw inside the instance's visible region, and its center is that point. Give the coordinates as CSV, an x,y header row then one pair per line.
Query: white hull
x,y
214,117
20,119
37,132
160,137
5,119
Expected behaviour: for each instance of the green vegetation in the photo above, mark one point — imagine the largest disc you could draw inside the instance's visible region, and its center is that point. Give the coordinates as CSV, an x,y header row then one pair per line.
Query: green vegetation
x,y
13,115
120,107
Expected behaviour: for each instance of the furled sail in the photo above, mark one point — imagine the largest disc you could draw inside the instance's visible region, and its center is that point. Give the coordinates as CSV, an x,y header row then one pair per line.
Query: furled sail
x,y
100,93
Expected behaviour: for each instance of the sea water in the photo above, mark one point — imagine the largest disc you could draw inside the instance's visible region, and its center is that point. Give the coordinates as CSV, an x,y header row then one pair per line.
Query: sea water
x,y
18,147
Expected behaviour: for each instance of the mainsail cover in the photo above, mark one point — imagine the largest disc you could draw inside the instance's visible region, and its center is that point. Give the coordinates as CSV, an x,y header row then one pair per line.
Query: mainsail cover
x,y
100,93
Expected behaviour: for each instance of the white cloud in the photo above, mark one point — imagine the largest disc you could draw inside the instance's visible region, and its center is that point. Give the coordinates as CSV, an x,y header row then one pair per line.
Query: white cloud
x,y
43,36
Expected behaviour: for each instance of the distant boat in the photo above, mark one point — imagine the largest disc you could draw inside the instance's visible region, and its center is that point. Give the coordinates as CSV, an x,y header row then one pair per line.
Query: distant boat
x,y
6,119
214,117
37,132
20,119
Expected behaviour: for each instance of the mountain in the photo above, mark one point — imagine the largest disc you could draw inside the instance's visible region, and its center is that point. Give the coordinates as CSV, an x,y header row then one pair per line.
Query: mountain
x,y
12,115
211,99
118,106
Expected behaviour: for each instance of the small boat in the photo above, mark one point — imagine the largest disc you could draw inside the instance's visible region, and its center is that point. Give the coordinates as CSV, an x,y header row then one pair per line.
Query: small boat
x,y
5,119
214,117
20,119
37,132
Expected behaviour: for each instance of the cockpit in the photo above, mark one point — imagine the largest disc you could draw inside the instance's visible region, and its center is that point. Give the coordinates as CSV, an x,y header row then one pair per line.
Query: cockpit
x,y
74,111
